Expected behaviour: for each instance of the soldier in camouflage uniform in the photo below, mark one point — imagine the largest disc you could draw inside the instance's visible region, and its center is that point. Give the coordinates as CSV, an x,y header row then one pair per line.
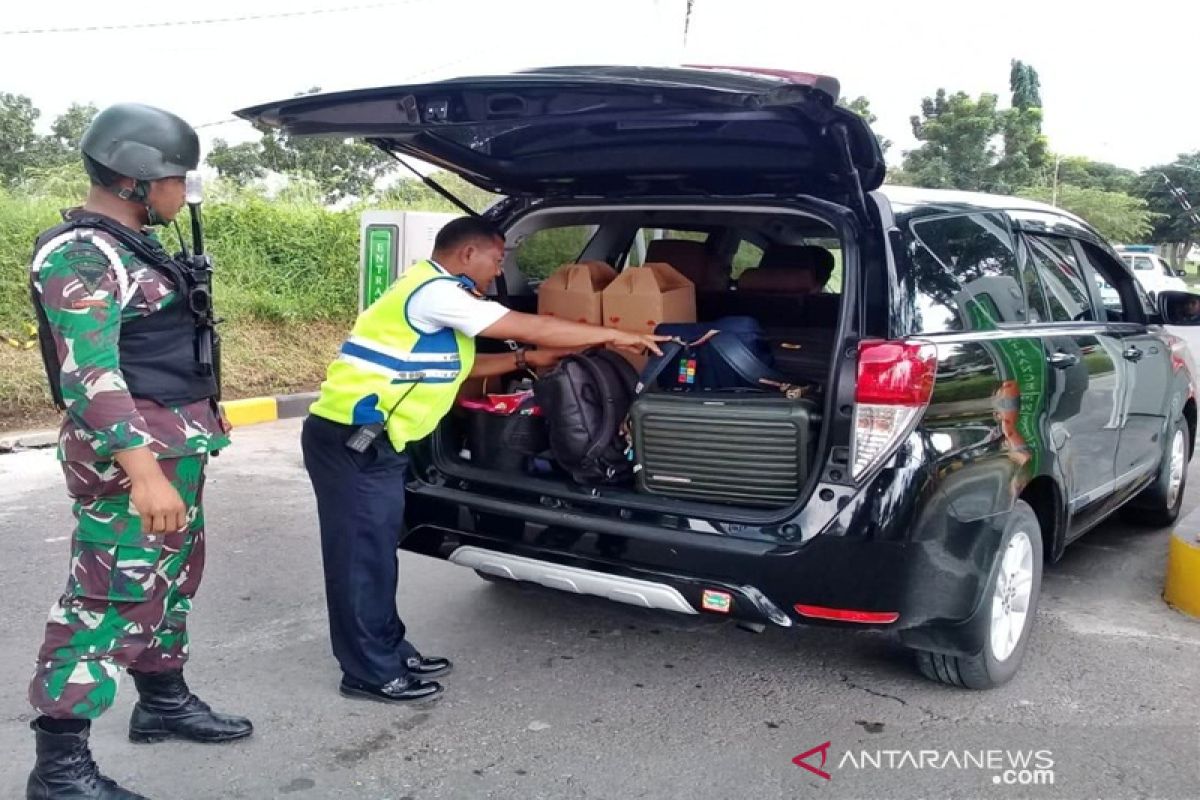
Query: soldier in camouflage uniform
x,y
140,422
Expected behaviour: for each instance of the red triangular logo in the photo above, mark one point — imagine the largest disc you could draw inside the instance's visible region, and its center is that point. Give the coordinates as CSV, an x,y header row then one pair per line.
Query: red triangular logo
x,y
823,749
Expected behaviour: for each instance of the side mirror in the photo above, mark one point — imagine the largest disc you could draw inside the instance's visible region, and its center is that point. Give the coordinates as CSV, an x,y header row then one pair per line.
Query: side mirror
x,y
1181,273
1179,308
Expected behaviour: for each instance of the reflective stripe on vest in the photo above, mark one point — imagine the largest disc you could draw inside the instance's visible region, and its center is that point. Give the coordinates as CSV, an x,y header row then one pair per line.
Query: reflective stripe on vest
x,y
386,363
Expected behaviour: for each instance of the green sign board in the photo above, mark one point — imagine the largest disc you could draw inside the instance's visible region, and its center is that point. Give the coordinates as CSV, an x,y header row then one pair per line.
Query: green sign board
x,y
379,262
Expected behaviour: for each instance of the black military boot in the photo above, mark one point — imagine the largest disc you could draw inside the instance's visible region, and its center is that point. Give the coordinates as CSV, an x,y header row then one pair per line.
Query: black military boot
x,y
167,710
65,769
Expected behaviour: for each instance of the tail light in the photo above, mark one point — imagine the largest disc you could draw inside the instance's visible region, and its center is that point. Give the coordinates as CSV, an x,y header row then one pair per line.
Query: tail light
x,y
1179,351
895,382
1181,360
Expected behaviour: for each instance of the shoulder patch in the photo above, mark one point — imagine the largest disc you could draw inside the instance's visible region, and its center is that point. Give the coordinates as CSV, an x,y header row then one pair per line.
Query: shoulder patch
x,y
87,262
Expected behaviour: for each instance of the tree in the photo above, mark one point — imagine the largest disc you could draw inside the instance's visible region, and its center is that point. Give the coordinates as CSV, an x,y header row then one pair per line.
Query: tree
x,y
1087,174
61,147
1025,85
18,139
1175,228
69,127
341,168
862,106
240,164
1118,216
1025,147
957,149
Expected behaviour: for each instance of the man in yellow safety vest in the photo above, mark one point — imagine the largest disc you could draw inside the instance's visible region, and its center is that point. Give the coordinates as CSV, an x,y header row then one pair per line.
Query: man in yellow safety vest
x,y
396,377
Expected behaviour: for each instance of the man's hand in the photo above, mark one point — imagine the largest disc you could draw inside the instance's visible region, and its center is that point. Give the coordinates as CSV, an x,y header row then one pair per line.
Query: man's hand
x,y
226,425
547,356
638,342
158,503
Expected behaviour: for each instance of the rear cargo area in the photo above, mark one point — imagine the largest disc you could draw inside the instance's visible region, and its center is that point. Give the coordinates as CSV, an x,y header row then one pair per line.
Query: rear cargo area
x,y
698,430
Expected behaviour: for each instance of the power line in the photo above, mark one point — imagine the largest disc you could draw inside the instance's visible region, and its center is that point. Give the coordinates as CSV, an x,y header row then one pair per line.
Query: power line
x,y
217,122
212,21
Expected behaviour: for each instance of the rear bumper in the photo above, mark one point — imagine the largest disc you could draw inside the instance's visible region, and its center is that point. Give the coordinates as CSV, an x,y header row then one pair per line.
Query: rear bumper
x,y
929,570
612,580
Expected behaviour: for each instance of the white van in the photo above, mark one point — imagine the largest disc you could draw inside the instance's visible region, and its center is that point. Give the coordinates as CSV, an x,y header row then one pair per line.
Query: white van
x,y
1152,271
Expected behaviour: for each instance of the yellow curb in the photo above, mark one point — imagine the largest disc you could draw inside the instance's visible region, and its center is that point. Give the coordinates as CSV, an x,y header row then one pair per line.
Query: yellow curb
x,y
1183,572
251,411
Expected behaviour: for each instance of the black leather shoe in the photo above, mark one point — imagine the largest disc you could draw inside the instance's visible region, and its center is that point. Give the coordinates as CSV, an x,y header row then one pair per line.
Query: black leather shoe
x,y
166,709
65,769
409,689
427,668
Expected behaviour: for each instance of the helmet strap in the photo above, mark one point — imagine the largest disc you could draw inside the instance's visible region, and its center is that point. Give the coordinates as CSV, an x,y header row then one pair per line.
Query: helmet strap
x,y
140,193
137,193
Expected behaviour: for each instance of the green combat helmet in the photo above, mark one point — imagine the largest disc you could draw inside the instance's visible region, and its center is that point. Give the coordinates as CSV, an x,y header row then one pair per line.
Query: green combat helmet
x,y
139,142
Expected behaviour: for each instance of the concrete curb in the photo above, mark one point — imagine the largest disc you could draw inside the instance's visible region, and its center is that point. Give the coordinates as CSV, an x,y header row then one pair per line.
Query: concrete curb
x,y
248,411
27,440
1182,589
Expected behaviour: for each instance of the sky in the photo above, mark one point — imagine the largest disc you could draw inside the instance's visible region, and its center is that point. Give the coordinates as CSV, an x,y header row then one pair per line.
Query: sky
x,y
1118,85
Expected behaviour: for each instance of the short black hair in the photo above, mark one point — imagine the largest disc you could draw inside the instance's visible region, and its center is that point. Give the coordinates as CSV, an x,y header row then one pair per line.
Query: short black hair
x,y
99,174
460,231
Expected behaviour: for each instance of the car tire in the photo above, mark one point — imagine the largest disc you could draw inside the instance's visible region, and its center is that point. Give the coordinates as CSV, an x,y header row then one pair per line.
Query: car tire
x,y
1158,504
1015,581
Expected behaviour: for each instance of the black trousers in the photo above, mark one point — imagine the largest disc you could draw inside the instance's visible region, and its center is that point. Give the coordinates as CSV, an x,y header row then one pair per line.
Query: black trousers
x,y
360,504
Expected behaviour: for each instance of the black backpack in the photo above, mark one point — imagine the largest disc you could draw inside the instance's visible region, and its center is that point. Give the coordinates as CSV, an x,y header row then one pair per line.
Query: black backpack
x,y
586,400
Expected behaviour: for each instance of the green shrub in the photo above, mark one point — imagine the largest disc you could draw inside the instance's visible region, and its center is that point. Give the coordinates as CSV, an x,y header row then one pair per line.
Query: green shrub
x,y
274,261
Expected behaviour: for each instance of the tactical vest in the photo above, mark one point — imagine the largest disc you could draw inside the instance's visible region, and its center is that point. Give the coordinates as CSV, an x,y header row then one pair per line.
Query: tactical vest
x,y
158,352
388,371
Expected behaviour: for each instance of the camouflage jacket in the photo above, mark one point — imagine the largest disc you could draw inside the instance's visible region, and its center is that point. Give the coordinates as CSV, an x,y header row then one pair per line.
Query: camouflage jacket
x,y
86,300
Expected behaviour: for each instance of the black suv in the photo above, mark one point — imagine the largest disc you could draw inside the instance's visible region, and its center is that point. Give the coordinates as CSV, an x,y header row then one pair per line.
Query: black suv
x,y
974,404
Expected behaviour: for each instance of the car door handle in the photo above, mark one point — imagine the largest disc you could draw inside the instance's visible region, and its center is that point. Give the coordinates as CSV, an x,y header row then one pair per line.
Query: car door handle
x,y
1132,353
1061,360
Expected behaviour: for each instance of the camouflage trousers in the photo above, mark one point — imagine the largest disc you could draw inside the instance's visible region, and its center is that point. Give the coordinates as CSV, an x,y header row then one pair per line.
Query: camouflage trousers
x,y
128,594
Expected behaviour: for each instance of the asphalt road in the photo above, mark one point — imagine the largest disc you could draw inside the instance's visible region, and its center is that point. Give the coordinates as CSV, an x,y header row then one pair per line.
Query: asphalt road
x,y
561,697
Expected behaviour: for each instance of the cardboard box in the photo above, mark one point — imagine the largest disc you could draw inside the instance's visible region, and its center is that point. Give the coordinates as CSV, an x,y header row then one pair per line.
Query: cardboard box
x,y
572,292
642,298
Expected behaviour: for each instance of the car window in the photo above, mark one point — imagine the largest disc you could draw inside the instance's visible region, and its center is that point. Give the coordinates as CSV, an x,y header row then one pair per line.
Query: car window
x,y
747,256
1035,295
637,250
1165,268
546,250
1106,273
1062,278
1143,264
966,273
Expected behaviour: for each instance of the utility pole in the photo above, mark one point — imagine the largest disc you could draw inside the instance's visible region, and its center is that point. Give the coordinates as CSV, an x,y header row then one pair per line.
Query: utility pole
x,y
1181,197
1054,191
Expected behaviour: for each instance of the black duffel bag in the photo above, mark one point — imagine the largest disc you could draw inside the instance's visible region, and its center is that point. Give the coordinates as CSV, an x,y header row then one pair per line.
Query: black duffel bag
x,y
730,354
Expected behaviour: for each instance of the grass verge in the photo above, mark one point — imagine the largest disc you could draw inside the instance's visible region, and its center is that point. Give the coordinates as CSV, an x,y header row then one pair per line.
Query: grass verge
x,y
260,358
